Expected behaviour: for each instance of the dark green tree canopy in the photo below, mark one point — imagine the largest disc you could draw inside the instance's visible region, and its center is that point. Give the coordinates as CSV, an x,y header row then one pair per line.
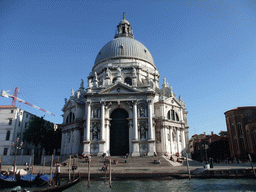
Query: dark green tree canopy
x,y
41,133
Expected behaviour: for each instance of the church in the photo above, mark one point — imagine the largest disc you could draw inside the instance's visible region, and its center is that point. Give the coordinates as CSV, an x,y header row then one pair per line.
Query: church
x,y
123,110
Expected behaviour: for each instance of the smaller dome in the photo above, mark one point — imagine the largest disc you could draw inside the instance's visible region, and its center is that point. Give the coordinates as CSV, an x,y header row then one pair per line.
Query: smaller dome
x,y
124,21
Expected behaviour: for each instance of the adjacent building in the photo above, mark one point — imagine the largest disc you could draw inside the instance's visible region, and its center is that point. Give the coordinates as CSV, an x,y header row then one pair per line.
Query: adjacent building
x,y
204,146
123,109
13,121
241,128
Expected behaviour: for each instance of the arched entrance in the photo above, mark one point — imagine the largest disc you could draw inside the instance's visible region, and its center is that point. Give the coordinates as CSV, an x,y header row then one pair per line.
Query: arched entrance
x,y
119,133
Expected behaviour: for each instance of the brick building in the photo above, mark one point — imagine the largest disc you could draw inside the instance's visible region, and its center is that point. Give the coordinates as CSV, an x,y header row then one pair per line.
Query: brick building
x,y
241,128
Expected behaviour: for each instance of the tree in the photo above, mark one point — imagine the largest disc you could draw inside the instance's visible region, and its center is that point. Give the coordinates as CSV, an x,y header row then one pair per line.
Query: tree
x,y
41,133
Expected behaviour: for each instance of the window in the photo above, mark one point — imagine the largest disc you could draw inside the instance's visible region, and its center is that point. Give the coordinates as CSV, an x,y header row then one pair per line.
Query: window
x,y
114,80
177,117
10,121
239,129
8,135
169,115
128,80
173,115
19,123
11,111
70,118
241,140
26,124
26,115
5,151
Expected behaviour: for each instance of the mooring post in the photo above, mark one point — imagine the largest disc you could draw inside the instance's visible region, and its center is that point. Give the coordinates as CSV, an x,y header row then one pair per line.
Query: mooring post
x,y
14,167
32,168
73,167
43,166
69,168
252,165
189,176
88,173
110,173
51,170
0,163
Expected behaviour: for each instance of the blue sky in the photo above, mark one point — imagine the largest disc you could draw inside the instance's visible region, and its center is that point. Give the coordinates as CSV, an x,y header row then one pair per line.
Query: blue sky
x,y
205,49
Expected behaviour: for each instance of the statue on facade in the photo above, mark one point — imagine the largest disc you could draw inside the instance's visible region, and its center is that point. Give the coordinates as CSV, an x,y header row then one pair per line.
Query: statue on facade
x,y
142,111
118,71
66,100
96,77
90,82
95,133
95,113
142,133
179,98
164,81
133,72
107,72
72,92
82,83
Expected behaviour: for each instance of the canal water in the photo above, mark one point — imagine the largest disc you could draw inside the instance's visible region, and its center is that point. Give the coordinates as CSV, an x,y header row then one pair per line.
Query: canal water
x,y
169,185
166,185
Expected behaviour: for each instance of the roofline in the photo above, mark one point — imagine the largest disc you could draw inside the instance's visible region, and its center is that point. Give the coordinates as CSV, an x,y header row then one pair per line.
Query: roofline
x,y
241,108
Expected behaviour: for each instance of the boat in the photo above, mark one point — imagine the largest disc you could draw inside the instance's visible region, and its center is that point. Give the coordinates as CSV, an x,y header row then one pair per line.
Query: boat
x,y
7,181
37,180
61,187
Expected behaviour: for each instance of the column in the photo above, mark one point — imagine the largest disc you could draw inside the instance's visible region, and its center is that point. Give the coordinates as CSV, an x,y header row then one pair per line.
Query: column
x,y
102,121
171,141
88,121
150,127
135,123
151,142
87,142
183,139
102,141
178,140
135,142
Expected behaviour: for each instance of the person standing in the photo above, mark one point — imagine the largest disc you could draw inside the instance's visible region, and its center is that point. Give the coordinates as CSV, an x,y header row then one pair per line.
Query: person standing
x,y
57,181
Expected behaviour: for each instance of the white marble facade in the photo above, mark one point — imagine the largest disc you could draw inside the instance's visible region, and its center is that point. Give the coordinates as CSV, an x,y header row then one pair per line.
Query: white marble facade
x,y
124,79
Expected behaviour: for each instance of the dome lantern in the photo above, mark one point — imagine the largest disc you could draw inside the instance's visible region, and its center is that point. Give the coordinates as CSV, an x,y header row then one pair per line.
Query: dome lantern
x,y
124,29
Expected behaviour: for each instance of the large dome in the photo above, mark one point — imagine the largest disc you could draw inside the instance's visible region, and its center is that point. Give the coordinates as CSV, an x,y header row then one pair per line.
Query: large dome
x,y
124,47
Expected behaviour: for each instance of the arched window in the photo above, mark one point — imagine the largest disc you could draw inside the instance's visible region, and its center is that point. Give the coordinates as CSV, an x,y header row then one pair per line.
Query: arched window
x,y
70,118
177,117
128,80
169,115
173,115
8,135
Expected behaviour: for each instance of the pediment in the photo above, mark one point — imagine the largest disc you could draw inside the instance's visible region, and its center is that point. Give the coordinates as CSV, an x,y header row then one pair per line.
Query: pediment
x,y
172,101
70,104
119,88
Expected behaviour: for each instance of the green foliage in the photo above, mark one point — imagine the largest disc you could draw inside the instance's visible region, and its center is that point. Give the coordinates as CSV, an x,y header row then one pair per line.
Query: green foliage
x,y
41,133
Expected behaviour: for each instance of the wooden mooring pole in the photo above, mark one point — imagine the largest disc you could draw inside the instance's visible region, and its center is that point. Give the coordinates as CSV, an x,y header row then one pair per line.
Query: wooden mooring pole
x,y
32,168
110,184
88,173
43,166
0,163
189,175
69,168
51,170
252,165
73,167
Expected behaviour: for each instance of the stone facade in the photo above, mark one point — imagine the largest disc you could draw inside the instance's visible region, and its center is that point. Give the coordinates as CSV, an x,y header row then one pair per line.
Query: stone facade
x,y
241,130
13,121
124,105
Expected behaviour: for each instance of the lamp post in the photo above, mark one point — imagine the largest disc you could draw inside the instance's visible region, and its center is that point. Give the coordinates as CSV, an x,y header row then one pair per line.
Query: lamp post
x,y
17,146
